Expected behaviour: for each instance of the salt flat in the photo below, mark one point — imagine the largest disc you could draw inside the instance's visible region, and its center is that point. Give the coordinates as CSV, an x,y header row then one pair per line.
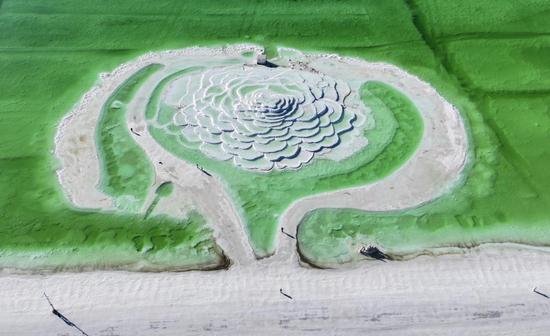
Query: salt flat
x,y
486,291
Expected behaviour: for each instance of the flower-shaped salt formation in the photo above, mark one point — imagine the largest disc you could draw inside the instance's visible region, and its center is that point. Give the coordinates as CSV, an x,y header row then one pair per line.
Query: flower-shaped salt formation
x,y
261,117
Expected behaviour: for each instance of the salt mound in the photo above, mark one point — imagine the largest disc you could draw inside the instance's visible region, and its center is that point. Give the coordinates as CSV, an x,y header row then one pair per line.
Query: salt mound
x,y
262,118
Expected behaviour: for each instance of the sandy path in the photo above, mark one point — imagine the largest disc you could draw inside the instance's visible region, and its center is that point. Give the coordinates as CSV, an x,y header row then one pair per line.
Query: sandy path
x,y
197,190
433,169
484,292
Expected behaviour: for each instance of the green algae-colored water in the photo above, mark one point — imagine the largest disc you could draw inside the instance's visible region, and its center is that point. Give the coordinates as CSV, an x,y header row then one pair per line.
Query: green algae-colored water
x,y
488,58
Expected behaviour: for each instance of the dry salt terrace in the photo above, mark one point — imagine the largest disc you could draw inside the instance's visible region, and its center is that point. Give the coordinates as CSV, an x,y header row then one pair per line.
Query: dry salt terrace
x,y
262,118
219,104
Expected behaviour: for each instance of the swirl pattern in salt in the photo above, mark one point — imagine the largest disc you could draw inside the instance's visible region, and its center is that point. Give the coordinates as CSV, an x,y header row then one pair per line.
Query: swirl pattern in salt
x,y
262,118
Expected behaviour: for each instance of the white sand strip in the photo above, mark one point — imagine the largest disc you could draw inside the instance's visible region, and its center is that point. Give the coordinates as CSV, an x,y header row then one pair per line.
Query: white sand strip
x,y
487,291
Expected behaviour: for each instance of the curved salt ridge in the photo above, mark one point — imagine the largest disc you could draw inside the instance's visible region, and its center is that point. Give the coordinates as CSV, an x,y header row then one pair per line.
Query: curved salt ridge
x,y
433,170
435,166
77,154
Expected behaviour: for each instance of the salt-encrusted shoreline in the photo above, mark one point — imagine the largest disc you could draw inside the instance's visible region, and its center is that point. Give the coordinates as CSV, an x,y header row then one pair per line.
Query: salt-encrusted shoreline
x,y
484,291
433,169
